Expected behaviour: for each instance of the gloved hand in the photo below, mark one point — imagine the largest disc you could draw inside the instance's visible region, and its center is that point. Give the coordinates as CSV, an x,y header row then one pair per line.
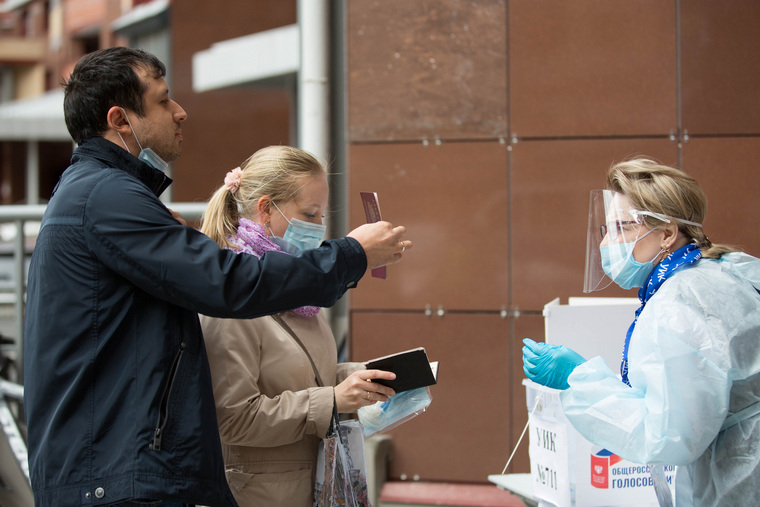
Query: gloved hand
x,y
549,365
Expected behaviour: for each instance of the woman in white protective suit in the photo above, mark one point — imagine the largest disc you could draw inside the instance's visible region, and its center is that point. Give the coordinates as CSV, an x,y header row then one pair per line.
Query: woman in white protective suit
x,y
689,385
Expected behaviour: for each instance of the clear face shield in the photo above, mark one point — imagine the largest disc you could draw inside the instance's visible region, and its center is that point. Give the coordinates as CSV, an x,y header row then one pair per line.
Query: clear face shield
x,y
611,220
614,228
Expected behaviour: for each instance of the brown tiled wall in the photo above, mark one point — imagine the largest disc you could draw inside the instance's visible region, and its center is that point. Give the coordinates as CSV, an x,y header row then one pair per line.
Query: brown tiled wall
x,y
483,125
720,68
226,126
426,69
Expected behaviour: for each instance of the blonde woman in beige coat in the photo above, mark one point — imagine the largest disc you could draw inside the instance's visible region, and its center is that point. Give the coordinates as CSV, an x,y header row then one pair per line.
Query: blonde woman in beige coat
x,y
276,378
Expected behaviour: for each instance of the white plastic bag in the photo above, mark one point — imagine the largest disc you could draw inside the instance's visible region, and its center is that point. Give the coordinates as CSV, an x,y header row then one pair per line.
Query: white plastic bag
x,y
341,475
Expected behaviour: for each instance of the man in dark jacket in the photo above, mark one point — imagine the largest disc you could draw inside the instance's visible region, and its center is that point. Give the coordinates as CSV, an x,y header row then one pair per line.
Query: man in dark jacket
x,y
117,387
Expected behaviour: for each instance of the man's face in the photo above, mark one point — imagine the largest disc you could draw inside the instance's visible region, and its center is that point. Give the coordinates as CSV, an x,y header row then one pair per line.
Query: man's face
x,y
161,127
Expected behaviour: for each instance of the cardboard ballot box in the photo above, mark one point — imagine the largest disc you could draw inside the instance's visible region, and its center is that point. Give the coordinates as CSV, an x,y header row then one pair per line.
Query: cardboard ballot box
x,y
566,469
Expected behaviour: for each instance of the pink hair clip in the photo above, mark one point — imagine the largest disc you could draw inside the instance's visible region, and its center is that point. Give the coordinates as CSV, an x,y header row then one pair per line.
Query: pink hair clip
x,y
232,180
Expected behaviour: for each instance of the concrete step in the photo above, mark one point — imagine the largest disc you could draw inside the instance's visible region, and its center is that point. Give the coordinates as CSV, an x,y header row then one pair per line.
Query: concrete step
x,y
415,494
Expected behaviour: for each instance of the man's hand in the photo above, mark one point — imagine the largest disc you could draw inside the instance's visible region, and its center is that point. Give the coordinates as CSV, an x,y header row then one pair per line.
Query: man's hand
x,y
177,216
383,244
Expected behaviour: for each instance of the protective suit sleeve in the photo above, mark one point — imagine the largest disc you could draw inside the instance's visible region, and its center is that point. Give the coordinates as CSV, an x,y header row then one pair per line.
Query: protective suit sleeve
x,y
742,265
679,395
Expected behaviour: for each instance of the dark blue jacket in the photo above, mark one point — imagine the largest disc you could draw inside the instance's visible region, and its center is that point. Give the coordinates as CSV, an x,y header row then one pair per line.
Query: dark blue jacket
x,y
118,393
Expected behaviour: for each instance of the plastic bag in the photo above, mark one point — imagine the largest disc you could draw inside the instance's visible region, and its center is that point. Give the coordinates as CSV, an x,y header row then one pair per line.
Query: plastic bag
x,y
341,478
382,416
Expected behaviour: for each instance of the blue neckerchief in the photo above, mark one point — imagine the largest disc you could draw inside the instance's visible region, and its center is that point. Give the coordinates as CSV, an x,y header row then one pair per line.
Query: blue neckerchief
x,y
683,257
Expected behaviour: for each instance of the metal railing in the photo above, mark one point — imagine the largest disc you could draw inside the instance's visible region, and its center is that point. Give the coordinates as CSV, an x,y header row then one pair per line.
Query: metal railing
x,y
16,288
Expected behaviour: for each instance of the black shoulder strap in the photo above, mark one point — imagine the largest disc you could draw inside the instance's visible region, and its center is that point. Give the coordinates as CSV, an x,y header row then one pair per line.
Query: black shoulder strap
x,y
287,328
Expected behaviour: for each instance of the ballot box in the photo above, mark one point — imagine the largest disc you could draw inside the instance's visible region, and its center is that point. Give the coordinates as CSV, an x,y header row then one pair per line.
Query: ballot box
x,y
566,469
591,326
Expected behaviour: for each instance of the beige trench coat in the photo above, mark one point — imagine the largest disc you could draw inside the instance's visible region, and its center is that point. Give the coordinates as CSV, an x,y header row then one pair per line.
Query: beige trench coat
x,y
270,410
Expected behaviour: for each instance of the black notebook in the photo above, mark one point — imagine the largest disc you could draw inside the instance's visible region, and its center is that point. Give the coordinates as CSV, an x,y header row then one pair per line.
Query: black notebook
x,y
411,367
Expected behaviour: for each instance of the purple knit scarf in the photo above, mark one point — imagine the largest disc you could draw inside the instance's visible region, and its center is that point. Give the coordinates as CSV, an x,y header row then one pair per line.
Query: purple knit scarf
x,y
252,238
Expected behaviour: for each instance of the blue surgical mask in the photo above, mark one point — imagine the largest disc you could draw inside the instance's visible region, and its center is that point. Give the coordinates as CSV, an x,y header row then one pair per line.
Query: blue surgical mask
x,y
619,264
301,235
149,157
383,416
146,155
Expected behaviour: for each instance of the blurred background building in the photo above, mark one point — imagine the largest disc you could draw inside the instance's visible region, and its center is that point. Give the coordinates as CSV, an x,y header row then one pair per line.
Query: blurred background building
x,y
481,124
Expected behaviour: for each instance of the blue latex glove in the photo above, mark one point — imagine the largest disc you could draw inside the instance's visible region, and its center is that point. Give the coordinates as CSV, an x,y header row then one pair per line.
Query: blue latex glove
x,y
549,365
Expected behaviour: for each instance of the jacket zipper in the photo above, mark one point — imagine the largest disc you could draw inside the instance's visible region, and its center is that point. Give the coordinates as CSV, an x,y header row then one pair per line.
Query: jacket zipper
x,y
163,407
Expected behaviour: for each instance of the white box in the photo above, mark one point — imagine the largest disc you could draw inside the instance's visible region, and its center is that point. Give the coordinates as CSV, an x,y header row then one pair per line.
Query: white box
x,y
566,469
591,326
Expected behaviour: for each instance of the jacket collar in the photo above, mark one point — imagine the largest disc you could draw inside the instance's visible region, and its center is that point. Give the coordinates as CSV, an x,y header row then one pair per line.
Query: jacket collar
x,y
119,158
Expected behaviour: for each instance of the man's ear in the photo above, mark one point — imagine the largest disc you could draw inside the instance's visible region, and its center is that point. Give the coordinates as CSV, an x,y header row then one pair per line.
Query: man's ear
x,y
117,120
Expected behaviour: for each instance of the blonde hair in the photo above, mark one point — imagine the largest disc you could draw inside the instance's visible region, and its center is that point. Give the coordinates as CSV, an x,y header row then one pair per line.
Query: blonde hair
x,y
658,188
275,171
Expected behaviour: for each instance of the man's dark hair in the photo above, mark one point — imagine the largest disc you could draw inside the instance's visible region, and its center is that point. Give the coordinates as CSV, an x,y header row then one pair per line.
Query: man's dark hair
x,y
103,79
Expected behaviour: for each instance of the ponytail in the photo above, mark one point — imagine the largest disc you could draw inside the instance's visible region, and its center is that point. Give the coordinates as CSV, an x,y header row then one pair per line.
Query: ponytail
x,y
708,248
220,219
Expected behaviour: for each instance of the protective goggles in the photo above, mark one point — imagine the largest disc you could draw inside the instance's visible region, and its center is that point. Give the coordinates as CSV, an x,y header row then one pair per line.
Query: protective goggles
x,y
612,219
